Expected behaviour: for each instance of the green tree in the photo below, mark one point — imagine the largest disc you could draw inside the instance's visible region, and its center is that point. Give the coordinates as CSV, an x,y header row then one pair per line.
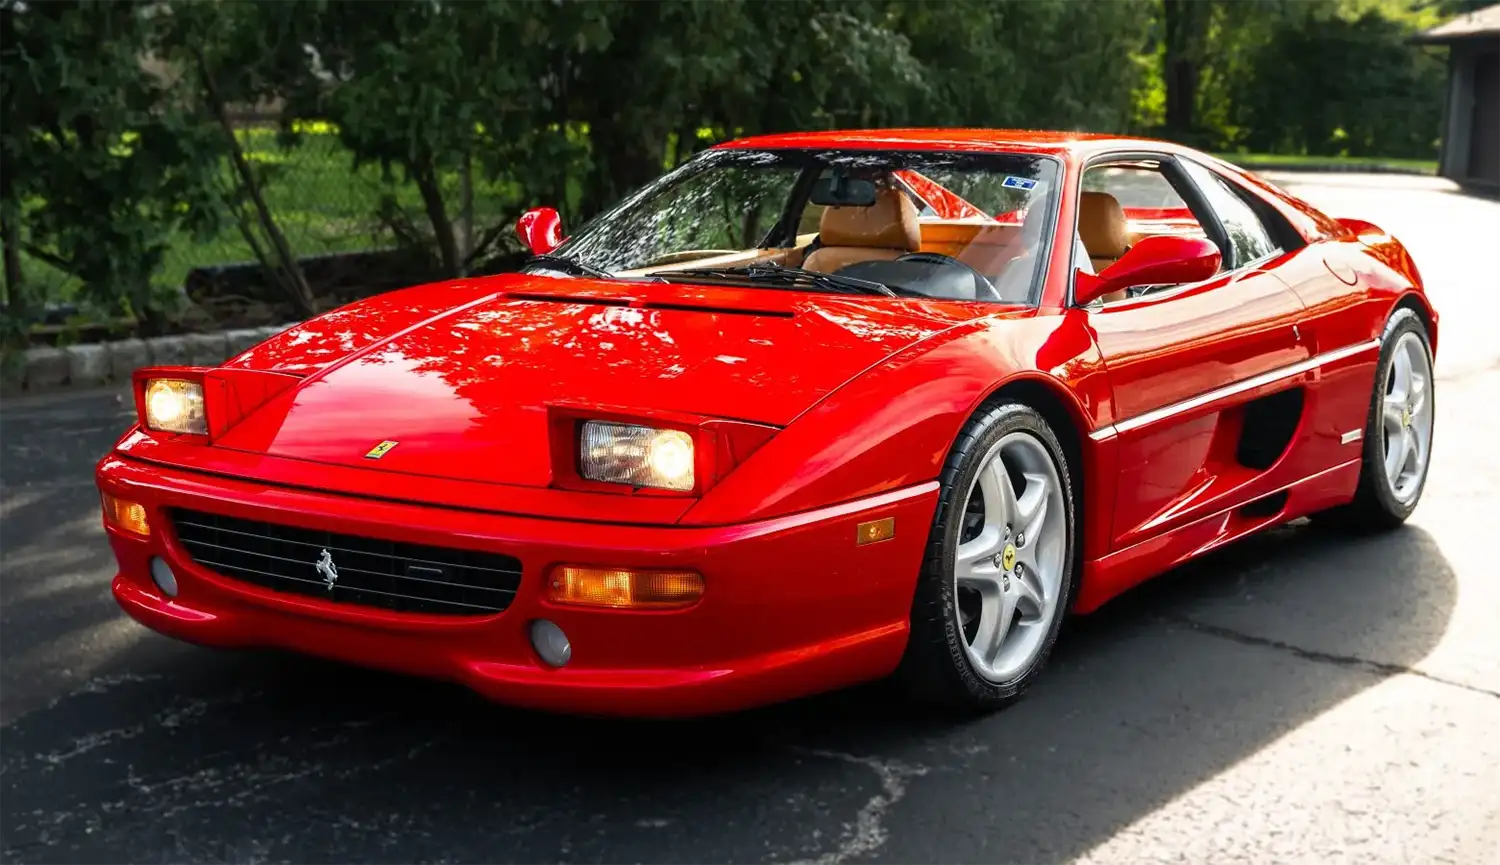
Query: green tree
x,y
1331,85
991,72
220,58
645,92
1203,46
429,90
101,162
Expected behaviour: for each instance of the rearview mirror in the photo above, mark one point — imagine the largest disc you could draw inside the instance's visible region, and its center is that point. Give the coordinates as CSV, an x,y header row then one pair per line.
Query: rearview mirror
x,y
1163,259
843,191
540,228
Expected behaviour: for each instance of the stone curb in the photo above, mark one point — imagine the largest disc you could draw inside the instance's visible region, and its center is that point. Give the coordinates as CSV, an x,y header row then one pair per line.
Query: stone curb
x,y
45,369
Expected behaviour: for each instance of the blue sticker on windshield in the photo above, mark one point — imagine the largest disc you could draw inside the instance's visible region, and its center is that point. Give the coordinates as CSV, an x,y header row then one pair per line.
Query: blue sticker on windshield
x,y
1018,183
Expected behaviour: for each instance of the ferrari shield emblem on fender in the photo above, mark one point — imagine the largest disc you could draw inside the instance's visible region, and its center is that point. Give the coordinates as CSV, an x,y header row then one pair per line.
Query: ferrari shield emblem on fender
x,y
380,450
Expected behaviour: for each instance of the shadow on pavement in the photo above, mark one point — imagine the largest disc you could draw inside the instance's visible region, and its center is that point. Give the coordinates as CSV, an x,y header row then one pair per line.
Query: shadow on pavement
x,y
173,752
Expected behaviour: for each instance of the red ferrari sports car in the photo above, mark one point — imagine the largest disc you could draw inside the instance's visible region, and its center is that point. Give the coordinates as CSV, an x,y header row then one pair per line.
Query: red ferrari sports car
x,y
809,410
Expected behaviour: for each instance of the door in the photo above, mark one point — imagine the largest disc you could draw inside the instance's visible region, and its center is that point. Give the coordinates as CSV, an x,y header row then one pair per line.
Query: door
x,y
1484,140
1187,362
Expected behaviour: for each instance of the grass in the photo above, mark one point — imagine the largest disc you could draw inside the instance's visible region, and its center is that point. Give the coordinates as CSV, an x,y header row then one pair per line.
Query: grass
x,y
325,205
322,203
1254,160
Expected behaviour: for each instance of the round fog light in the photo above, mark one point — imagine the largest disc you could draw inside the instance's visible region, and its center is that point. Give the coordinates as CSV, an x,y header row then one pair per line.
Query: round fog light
x,y
161,574
550,642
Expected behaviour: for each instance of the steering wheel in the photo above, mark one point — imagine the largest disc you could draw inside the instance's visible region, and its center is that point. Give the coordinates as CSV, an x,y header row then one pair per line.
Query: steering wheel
x,y
981,281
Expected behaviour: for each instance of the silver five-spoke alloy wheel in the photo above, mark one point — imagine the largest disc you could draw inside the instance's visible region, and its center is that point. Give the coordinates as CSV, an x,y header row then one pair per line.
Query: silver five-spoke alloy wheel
x,y
1008,568
1406,417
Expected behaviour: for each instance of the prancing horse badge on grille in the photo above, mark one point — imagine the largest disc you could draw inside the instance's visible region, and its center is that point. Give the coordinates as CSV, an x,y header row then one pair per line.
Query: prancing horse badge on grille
x,y
326,567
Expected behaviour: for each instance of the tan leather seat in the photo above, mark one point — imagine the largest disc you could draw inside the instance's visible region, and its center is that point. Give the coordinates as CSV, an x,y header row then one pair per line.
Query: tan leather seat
x,y
882,231
1102,225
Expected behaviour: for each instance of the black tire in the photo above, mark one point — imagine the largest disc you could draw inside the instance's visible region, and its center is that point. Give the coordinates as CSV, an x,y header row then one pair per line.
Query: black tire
x,y
936,668
1375,507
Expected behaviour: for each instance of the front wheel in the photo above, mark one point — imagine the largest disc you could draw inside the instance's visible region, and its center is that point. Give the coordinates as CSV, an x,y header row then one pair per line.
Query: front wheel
x,y
1398,432
998,574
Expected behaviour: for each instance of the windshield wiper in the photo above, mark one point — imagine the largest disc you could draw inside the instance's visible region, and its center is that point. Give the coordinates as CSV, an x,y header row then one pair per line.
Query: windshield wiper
x,y
769,272
571,265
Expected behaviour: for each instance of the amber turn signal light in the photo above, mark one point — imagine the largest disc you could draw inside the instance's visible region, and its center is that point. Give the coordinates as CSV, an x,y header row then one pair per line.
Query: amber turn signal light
x,y
125,515
875,531
624,589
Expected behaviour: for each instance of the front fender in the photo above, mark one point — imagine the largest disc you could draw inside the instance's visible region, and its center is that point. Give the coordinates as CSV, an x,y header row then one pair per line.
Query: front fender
x,y
893,426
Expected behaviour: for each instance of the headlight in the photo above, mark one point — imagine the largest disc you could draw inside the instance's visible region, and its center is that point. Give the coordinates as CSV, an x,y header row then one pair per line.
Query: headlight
x,y
637,455
173,405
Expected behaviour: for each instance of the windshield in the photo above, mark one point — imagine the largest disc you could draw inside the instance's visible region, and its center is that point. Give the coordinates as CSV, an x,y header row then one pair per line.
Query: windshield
x,y
964,226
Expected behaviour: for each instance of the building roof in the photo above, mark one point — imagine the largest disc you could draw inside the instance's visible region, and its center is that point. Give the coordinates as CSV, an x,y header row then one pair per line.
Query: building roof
x,y
1471,25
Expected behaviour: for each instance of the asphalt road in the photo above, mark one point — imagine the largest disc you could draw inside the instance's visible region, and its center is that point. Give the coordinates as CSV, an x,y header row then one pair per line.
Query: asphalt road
x,y
1297,697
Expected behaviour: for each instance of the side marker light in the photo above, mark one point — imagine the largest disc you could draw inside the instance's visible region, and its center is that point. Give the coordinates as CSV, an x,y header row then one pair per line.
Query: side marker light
x,y
875,531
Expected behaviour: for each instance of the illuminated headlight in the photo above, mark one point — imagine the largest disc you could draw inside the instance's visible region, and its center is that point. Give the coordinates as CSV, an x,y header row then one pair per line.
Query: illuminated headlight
x,y
175,406
637,455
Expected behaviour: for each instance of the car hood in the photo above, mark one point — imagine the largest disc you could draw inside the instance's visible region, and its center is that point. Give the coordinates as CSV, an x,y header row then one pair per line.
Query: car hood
x,y
463,375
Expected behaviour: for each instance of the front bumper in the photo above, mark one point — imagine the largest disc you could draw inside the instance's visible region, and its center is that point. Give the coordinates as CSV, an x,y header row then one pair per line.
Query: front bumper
x,y
792,606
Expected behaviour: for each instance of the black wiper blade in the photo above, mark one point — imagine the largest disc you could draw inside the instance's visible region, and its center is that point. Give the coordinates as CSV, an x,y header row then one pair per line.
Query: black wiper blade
x,y
826,280
571,265
791,276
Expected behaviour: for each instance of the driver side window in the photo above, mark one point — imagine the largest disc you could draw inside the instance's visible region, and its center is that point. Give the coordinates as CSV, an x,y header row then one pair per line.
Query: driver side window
x,y
1249,239
1123,203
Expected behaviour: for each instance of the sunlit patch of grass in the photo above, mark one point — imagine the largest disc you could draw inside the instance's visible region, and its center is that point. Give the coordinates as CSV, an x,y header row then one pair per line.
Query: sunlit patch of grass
x,y
314,127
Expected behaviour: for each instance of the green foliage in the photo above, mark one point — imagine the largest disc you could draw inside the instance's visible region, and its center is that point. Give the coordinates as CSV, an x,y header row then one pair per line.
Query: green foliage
x,y
1333,77
1451,8
990,71
435,123
101,163
425,89
1339,87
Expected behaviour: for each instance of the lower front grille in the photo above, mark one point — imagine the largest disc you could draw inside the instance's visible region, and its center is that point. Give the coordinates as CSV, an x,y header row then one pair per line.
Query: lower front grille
x,y
350,569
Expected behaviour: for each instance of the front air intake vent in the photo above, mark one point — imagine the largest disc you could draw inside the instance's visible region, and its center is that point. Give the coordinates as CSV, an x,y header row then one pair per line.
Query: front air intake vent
x,y
350,569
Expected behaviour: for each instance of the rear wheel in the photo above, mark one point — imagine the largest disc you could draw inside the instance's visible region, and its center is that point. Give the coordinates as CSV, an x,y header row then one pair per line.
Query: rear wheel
x,y
1398,432
997,577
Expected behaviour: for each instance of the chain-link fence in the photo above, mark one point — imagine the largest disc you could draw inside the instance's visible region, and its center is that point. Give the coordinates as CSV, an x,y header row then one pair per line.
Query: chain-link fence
x,y
322,202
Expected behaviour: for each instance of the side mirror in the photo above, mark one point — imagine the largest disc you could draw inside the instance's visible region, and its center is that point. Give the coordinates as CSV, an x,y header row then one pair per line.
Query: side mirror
x,y
540,228
1162,259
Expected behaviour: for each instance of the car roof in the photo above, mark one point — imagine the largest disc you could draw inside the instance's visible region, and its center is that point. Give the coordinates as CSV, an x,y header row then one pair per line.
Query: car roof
x,y
1012,140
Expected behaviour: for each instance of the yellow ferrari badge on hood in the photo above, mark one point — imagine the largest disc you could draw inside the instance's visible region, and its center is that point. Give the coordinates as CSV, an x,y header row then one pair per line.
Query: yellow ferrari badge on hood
x,y
380,450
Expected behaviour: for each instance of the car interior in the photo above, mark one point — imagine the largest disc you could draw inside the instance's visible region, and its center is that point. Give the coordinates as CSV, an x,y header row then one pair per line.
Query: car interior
x,y
898,238
1124,202
1103,228
932,242
882,231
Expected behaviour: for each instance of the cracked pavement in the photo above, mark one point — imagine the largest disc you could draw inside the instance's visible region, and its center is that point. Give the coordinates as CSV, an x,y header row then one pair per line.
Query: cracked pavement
x,y
1295,697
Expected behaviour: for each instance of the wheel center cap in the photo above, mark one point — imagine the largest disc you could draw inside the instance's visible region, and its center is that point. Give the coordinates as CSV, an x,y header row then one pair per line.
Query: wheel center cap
x,y
1007,558
1406,418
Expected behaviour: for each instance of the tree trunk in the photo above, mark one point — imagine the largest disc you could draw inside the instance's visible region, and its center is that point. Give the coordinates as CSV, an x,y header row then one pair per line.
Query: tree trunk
x,y
15,292
623,162
293,282
465,214
442,229
1186,29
